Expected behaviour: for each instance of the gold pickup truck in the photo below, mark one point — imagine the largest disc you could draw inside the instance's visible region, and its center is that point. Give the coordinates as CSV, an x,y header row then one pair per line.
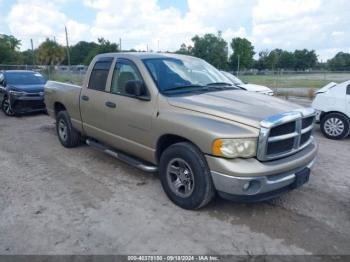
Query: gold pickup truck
x,y
181,117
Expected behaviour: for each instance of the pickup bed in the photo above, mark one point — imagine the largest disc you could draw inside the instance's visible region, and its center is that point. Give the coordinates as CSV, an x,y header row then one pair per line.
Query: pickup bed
x,y
181,117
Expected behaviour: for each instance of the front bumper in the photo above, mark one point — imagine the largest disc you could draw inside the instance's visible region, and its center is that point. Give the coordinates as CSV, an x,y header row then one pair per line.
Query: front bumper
x,y
250,180
25,104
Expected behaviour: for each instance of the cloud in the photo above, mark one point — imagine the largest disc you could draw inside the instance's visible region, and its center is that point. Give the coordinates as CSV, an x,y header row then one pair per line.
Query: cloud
x,y
40,19
296,24
290,24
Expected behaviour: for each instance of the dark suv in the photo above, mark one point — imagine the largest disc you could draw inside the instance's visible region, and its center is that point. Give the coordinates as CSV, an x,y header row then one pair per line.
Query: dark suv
x,y
21,92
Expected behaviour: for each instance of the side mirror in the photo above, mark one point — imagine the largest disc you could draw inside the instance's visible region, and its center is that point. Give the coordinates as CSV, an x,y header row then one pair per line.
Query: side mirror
x,y
136,88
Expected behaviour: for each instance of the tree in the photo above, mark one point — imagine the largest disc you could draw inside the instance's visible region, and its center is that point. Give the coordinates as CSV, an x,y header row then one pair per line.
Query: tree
x,y
80,51
243,49
212,49
27,57
262,62
274,58
8,49
50,53
103,46
184,50
341,61
304,59
286,60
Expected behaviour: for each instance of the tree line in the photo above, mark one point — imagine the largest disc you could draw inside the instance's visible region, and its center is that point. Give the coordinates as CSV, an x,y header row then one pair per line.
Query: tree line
x,y
210,47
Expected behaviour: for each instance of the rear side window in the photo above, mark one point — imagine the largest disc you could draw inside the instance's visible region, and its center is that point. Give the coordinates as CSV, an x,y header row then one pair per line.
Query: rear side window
x,y
99,74
348,90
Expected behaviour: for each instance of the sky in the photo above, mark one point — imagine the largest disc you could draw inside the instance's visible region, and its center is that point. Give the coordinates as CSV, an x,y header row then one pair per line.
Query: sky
x,y
163,25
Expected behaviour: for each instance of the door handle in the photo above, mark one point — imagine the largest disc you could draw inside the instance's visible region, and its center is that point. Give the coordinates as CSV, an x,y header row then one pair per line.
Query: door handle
x,y
85,98
110,104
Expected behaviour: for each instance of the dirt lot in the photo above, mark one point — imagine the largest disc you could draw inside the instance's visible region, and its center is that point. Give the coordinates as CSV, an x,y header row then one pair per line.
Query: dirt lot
x,y
79,201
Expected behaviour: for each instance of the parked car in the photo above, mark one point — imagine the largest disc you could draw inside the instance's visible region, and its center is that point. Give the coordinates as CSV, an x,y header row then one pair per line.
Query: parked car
x,y
21,92
332,104
249,87
178,115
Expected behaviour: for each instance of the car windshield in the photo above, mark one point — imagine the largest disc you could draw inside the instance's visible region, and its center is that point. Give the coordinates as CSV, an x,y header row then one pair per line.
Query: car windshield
x,y
24,78
233,78
186,74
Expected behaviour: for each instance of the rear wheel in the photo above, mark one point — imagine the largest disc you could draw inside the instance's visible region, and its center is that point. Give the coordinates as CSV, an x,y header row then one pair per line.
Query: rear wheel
x,y
6,107
185,176
335,126
68,136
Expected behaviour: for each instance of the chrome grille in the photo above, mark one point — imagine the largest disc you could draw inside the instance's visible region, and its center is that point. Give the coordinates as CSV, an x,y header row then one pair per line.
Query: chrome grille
x,y
285,134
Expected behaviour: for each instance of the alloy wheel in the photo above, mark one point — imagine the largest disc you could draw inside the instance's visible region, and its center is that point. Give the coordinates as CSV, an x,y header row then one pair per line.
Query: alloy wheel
x,y
180,177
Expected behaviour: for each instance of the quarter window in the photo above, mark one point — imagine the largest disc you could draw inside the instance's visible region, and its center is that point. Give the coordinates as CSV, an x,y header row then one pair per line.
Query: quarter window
x,y
124,71
99,74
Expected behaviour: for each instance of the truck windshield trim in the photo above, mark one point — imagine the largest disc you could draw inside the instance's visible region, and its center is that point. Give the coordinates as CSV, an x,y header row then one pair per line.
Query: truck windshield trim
x,y
185,75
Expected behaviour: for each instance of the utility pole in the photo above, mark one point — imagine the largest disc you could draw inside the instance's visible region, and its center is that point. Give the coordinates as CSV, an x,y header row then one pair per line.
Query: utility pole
x,y
147,47
33,54
238,65
120,44
68,56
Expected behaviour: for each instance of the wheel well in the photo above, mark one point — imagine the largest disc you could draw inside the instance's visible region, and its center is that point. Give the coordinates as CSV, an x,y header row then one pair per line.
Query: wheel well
x,y
167,140
59,107
323,114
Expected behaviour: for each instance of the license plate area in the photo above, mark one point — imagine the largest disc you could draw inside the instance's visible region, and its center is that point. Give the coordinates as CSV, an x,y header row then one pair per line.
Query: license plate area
x,y
301,178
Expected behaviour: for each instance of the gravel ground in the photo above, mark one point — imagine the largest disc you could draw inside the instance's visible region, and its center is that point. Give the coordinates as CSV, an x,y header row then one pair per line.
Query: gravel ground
x,y
55,200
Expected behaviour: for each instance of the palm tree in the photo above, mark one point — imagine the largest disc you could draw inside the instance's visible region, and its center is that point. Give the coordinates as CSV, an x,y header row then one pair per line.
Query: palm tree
x,y
50,53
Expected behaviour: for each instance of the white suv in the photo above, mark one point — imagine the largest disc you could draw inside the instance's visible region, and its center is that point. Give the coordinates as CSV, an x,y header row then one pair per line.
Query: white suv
x,y
332,104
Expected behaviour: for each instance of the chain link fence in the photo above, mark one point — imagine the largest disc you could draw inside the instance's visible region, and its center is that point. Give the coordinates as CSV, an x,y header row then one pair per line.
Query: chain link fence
x,y
286,83
73,74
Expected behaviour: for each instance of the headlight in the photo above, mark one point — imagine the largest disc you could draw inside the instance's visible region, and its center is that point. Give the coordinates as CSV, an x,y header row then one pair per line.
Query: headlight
x,y
232,148
17,93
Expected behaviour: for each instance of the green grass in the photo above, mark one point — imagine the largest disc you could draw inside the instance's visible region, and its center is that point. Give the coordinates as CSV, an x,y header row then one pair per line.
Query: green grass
x,y
275,81
72,79
305,80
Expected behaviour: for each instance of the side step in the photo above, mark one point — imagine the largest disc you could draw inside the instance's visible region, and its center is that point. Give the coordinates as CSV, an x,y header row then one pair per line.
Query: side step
x,y
123,157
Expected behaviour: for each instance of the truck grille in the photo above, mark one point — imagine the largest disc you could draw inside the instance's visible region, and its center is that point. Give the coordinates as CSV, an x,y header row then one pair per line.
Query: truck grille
x,y
285,134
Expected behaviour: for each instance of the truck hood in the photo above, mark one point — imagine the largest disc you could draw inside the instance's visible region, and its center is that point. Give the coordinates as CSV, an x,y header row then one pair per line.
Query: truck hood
x,y
236,105
326,88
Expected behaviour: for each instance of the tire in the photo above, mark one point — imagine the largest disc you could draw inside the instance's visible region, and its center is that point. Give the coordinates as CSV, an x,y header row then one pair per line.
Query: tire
x,y
335,126
66,133
185,163
6,108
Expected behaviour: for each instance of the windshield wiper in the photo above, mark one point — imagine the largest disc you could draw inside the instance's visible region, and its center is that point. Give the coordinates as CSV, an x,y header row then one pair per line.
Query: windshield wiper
x,y
182,87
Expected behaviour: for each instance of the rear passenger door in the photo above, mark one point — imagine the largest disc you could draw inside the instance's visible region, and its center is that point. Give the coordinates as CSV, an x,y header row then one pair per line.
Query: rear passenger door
x,y
130,121
93,98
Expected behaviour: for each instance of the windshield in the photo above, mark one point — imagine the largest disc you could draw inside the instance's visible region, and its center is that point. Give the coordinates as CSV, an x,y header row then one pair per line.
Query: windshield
x,y
185,73
24,78
232,78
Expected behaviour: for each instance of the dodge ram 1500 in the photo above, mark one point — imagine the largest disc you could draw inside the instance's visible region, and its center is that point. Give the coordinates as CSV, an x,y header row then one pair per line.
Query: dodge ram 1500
x,y
181,117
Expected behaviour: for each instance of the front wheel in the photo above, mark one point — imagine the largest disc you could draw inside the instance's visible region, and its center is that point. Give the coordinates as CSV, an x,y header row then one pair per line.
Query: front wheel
x,y
335,126
6,107
185,176
68,136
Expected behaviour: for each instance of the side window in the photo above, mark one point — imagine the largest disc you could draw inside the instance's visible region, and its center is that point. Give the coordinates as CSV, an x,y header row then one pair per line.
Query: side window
x,y
348,90
124,71
99,74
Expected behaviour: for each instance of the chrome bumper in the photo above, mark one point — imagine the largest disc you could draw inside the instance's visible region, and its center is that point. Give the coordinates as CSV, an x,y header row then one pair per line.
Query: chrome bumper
x,y
252,186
